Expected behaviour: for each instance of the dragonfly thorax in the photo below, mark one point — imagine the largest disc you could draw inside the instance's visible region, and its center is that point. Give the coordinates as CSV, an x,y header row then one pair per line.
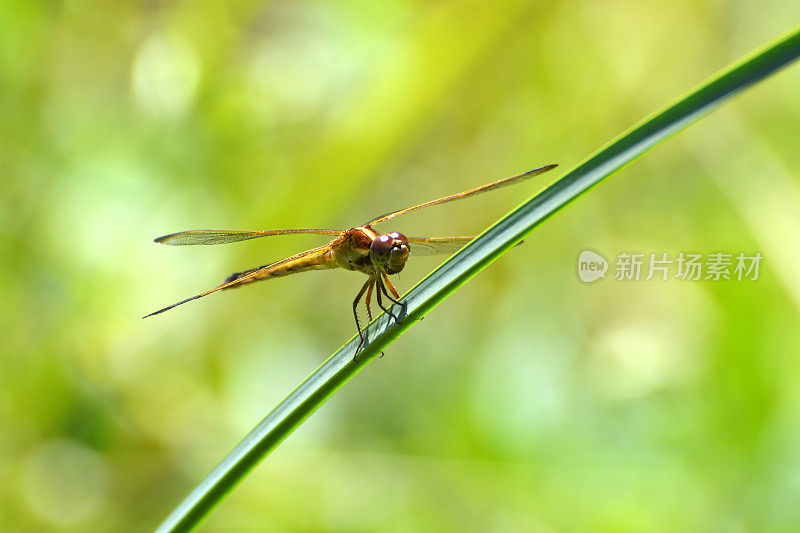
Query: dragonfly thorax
x,y
389,252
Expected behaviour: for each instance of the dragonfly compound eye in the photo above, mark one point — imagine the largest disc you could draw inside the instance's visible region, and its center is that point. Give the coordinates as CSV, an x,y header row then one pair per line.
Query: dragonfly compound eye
x,y
397,258
398,238
398,254
380,249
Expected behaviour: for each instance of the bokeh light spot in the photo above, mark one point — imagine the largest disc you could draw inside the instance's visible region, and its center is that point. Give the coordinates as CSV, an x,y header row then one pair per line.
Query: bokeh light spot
x,y
63,481
166,74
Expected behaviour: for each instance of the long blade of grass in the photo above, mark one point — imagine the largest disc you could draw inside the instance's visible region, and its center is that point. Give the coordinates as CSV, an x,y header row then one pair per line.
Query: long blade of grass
x,y
476,256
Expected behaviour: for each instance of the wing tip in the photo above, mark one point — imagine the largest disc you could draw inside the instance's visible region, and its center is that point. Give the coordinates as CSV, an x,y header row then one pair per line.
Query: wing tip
x,y
156,312
178,303
545,168
164,239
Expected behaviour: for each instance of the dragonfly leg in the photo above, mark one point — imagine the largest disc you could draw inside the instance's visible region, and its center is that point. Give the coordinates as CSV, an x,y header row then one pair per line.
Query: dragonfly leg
x,y
369,299
369,295
355,314
394,291
382,289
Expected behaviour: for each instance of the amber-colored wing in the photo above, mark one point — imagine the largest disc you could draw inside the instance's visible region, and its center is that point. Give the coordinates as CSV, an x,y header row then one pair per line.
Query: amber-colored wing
x,y
437,245
223,236
472,192
316,258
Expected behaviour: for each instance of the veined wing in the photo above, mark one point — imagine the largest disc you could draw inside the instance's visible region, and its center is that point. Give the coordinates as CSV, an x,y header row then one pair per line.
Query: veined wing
x,y
223,236
437,245
472,192
321,257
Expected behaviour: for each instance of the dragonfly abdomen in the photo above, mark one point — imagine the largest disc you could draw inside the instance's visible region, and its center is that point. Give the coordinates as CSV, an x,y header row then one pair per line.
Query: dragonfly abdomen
x,y
302,264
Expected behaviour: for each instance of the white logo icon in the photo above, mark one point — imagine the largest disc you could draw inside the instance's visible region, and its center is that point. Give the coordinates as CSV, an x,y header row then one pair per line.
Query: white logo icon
x,y
591,266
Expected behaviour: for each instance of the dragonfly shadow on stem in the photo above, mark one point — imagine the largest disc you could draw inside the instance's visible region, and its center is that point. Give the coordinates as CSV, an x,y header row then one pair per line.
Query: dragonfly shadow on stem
x,y
395,314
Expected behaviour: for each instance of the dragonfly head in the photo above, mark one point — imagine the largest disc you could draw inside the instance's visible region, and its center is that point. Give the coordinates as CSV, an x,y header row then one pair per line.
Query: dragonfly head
x,y
389,252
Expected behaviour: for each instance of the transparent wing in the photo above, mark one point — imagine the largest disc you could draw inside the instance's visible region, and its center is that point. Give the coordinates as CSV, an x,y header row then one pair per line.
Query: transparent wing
x,y
314,258
437,245
223,236
472,192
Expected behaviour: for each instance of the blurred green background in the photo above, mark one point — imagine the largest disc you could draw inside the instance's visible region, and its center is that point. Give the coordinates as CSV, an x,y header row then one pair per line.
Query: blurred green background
x,y
528,401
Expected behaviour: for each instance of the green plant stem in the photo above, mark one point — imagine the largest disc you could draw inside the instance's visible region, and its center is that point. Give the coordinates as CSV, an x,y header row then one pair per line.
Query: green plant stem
x,y
476,256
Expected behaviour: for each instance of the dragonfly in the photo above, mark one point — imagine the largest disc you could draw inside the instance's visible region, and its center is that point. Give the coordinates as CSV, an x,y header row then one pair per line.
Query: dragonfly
x,y
360,249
